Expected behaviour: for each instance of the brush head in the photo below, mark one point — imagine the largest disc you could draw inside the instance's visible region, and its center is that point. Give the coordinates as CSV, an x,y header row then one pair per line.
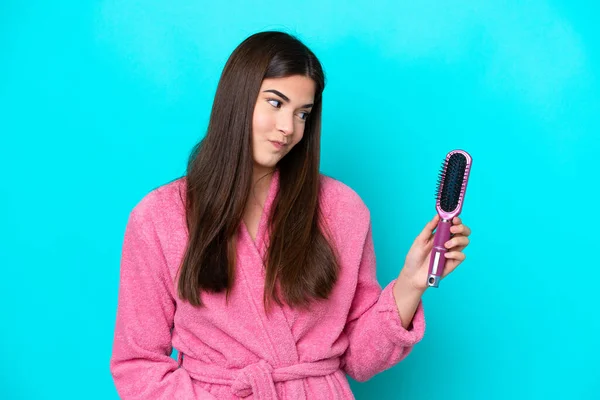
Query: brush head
x,y
452,183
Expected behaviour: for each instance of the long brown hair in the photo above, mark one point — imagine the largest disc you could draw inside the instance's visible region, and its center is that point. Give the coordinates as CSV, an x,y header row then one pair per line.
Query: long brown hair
x,y
301,265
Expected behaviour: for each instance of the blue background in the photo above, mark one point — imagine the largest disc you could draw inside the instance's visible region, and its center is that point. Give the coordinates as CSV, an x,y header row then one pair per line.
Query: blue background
x,y
102,101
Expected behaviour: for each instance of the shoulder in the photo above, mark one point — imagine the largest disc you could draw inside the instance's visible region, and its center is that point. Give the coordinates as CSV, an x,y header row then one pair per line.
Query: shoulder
x,y
342,204
161,204
338,196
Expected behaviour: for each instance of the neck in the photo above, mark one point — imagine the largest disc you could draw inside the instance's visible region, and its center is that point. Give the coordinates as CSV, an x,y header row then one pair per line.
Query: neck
x,y
261,180
261,176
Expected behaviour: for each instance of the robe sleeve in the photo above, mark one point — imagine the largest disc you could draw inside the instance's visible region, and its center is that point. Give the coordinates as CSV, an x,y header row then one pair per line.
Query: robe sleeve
x,y
140,364
377,339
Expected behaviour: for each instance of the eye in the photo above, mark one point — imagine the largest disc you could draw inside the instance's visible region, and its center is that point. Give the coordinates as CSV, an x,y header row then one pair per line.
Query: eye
x,y
274,103
304,115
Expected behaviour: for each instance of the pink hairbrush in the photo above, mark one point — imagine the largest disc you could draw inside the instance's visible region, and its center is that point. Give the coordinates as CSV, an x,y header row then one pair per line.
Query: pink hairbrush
x,y
450,195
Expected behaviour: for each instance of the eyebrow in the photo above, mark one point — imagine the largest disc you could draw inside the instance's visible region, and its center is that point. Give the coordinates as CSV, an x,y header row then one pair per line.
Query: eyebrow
x,y
285,98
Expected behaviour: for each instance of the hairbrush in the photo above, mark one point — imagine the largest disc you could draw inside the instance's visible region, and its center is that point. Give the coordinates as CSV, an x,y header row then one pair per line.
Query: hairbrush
x,y
450,196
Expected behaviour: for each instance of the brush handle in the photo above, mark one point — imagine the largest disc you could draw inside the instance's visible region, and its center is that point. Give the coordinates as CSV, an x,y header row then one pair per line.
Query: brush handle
x,y
437,260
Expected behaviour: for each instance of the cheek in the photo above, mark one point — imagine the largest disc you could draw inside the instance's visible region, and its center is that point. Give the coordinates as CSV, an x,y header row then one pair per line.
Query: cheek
x,y
261,122
299,134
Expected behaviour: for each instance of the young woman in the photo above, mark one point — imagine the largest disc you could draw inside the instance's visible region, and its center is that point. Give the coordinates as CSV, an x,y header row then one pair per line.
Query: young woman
x,y
259,270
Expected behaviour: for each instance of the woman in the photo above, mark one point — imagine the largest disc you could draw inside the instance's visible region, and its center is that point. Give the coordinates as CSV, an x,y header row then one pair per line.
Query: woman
x,y
259,270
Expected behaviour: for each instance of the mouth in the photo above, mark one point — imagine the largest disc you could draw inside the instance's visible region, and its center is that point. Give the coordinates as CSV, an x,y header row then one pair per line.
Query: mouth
x,y
278,145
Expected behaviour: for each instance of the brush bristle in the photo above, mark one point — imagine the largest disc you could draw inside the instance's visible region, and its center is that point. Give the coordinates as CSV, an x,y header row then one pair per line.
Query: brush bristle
x,y
450,181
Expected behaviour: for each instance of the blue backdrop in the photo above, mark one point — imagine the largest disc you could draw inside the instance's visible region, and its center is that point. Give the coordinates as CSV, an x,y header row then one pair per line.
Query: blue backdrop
x,y
102,101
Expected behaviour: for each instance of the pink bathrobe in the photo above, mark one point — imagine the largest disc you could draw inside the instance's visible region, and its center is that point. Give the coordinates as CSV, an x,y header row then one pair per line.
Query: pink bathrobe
x,y
237,350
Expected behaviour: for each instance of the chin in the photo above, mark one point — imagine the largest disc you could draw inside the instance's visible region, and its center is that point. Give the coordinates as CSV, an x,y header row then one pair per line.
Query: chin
x,y
267,164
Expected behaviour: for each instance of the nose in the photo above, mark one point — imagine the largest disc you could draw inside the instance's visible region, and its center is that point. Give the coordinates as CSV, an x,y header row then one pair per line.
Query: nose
x,y
285,123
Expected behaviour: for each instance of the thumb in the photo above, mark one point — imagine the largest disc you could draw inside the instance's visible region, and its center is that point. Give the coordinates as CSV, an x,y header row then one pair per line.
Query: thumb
x,y
426,233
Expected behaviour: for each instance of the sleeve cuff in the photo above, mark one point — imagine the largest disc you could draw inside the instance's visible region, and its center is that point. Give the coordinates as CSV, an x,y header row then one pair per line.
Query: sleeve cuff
x,y
392,324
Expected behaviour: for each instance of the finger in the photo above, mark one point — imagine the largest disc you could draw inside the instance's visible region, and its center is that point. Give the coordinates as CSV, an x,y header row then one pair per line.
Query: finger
x,y
426,233
466,230
456,221
457,241
462,229
455,255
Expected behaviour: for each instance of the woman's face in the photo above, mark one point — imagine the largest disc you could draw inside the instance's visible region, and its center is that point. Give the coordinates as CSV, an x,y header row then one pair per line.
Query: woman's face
x,y
280,113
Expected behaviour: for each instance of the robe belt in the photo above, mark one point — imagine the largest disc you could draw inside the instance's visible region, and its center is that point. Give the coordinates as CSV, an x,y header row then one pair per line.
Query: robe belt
x,y
258,378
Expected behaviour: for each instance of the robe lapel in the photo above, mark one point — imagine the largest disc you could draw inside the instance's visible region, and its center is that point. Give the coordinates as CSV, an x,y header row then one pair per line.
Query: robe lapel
x,y
262,234
251,272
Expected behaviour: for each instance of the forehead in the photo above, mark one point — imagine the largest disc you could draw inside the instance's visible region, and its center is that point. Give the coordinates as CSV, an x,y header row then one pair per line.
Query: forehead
x,y
298,88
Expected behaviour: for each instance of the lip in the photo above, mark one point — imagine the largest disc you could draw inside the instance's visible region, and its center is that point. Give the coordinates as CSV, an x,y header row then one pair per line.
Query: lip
x,y
278,145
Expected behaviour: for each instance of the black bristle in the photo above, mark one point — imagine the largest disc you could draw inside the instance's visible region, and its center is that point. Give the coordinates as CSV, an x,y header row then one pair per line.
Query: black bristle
x,y
451,179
